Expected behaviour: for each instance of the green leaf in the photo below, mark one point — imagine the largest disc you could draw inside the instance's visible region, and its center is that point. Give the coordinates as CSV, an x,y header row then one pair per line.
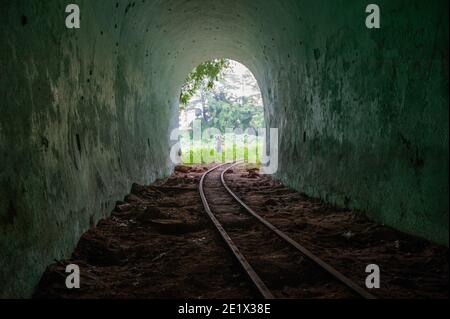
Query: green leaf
x,y
203,75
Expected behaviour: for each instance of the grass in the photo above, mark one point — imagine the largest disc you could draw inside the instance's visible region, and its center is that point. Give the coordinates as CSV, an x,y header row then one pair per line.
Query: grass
x,y
205,153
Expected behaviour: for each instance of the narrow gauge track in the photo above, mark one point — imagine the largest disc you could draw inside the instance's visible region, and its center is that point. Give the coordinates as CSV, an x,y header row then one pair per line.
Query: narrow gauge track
x,y
280,267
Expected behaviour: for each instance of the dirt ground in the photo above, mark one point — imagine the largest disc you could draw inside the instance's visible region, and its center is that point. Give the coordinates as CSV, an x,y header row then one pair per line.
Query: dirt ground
x,y
159,243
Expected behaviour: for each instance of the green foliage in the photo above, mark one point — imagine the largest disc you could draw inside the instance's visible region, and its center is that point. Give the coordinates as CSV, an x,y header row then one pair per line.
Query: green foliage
x,y
205,154
221,103
222,114
203,76
219,100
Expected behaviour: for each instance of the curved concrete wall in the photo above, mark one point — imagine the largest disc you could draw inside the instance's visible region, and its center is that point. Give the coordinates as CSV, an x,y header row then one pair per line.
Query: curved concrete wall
x,y
363,114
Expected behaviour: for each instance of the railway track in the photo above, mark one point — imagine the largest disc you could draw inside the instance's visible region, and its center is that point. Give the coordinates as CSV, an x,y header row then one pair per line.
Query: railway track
x,y
280,267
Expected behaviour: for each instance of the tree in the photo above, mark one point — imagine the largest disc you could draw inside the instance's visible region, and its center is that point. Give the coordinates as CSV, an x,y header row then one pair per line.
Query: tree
x,y
228,99
202,77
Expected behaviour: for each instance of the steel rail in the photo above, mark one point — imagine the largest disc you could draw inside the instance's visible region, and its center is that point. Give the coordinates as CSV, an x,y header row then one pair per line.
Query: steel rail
x,y
327,267
248,269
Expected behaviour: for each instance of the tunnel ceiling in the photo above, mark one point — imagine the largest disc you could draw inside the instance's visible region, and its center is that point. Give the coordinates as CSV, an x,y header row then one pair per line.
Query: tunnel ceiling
x,y
362,114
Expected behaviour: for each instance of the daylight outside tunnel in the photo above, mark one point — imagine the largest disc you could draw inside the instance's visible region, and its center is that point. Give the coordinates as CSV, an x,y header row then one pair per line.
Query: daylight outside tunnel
x,y
221,117
224,149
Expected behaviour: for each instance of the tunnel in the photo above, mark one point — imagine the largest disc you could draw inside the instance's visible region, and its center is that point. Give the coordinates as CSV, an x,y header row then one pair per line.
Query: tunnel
x,y
362,113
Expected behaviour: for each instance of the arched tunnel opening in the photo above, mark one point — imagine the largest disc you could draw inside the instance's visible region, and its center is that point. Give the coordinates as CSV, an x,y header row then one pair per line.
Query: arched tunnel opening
x,y
221,116
361,118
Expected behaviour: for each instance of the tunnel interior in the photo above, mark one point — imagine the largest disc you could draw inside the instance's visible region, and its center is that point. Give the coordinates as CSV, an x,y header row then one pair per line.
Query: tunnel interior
x,y
362,113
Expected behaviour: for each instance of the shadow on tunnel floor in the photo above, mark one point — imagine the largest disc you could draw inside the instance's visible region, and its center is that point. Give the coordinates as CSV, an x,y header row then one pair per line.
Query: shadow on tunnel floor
x,y
159,243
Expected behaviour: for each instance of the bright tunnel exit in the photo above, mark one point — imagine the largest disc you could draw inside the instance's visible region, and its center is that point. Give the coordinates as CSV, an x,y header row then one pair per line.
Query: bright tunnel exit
x,y
221,114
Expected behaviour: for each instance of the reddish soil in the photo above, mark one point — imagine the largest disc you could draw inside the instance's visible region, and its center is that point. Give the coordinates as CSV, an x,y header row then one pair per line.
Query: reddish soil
x,y
159,243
